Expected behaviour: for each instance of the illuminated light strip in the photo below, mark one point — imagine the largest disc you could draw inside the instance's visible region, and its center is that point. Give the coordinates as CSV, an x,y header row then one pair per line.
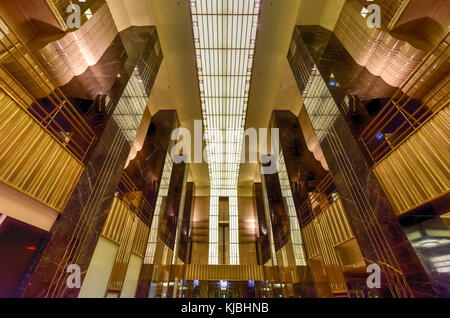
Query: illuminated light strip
x,y
154,230
234,230
224,37
296,235
131,106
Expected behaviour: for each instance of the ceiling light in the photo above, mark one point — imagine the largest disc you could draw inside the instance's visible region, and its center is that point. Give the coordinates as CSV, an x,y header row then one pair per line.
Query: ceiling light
x,y
224,105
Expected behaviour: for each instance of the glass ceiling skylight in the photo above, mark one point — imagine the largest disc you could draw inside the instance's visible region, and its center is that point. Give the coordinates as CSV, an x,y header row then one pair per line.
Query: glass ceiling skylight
x,y
224,38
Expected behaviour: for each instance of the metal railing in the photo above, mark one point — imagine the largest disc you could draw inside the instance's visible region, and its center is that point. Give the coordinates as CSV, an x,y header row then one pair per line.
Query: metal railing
x,y
413,104
324,194
133,197
54,112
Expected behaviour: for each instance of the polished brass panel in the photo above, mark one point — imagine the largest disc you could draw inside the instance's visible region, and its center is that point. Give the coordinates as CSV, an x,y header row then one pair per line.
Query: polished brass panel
x,y
140,238
224,272
328,230
116,220
31,159
120,267
418,169
125,228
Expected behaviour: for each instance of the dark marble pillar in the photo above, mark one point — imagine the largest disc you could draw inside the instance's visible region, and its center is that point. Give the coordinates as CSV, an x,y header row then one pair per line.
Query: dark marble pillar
x,y
75,234
186,223
277,212
146,170
304,171
172,209
374,223
263,230
169,226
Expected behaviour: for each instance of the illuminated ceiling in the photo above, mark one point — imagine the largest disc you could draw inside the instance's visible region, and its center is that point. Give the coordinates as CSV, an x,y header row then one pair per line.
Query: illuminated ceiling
x,y
177,84
224,36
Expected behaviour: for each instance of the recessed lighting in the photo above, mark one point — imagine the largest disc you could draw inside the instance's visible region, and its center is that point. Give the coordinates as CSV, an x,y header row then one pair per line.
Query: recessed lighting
x,y
195,23
193,4
257,4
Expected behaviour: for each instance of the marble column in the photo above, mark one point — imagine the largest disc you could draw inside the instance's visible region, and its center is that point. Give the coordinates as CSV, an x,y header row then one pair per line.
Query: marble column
x,y
186,224
173,203
263,230
75,234
304,171
277,212
376,227
146,170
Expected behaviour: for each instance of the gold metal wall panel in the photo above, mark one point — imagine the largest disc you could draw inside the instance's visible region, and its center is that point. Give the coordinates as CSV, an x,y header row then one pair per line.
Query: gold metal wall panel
x,y
329,229
31,159
417,170
311,241
330,258
126,229
120,267
340,230
140,238
224,272
116,220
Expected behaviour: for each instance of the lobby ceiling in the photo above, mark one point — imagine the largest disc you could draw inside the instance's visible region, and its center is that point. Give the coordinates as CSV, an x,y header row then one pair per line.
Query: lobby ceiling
x,y
272,86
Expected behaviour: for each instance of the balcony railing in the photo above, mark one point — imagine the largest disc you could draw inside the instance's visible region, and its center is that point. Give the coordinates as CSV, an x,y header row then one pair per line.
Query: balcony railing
x,y
43,143
46,103
408,140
